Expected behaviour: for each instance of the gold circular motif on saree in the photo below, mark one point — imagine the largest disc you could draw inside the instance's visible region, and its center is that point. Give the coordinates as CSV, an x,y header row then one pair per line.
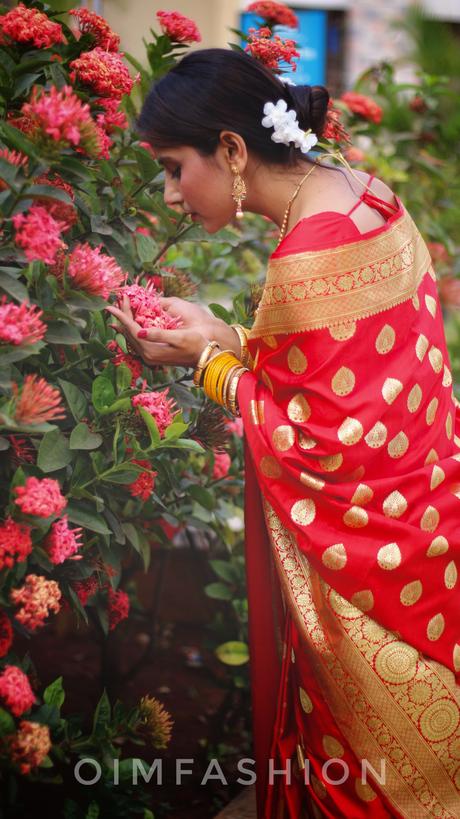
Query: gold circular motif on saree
x,y
296,360
457,779
318,787
449,427
376,436
430,303
421,347
350,431
343,382
435,627
335,557
411,593
389,556
364,791
298,409
331,462
343,607
447,377
450,575
416,301
436,359
332,747
356,517
438,546
357,473
394,505
396,662
437,476
343,330
311,481
270,467
305,442
398,445
303,511
432,457
363,600
305,701
430,519
431,411
385,340
391,389
456,657
414,398
267,380
362,494
283,437
439,720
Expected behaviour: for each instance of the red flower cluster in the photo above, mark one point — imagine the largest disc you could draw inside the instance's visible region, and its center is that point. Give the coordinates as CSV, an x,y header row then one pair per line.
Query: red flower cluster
x,y
66,214
39,234
41,497
146,307
20,324
6,634
15,690
15,543
23,25
118,606
134,364
276,14
103,71
222,464
61,541
111,118
56,119
159,406
38,597
144,484
271,50
363,106
93,271
91,23
334,128
14,158
84,589
178,28
36,401
29,746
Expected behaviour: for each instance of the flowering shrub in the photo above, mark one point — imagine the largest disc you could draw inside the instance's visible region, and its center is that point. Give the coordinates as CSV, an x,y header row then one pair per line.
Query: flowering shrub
x,y
274,13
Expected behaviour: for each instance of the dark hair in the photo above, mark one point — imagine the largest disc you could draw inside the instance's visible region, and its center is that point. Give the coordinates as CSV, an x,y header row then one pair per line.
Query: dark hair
x,y
216,89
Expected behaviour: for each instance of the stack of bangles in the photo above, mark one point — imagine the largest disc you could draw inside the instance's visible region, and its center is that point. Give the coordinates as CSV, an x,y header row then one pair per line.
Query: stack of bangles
x,y
219,371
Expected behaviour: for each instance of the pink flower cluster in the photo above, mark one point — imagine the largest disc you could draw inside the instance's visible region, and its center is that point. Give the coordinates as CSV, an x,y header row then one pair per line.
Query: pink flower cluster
x,y
274,13
65,214
39,234
93,271
363,106
61,541
15,690
24,25
91,23
15,543
20,324
103,71
134,364
30,745
118,606
58,118
222,464
144,484
158,405
41,497
146,307
178,28
6,634
36,401
37,598
271,50
111,117
14,158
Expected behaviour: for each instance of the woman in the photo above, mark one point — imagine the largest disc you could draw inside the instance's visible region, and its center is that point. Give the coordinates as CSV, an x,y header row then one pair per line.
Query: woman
x,y
352,454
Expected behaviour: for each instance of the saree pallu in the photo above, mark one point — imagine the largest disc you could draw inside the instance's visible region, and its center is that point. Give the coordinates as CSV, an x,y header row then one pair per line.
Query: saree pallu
x,y
352,538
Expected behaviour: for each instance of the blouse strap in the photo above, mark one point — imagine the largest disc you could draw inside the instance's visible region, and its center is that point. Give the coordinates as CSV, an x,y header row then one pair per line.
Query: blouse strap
x,y
367,189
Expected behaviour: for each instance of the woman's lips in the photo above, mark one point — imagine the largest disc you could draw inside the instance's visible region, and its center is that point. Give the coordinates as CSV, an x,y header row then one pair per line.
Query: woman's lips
x,y
194,217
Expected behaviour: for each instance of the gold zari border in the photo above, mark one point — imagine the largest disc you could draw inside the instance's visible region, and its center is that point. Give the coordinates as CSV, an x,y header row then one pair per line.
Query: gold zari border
x,y
389,701
314,289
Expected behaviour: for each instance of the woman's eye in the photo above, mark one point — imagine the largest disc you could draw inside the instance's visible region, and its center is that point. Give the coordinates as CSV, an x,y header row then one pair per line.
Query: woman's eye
x,y
176,173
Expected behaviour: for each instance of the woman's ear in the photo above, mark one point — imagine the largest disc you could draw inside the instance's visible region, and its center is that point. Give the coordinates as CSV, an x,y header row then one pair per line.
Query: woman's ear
x,y
234,149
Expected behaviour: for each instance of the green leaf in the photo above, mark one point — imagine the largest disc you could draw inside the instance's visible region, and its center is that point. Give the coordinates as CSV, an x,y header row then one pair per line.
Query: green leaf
x,y
53,452
183,443
13,287
203,496
124,377
60,332
225,570
17,140
233,653
139,542
75,398
221,312
146,248
103,393
175,430
46,762
12,354
88,519
218,591
93,811
48,192
54,694
152,427
122,476
82,438
101,719
7,723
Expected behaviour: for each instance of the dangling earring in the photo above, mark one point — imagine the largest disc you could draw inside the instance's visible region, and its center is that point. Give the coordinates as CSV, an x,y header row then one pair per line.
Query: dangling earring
x,y
238,191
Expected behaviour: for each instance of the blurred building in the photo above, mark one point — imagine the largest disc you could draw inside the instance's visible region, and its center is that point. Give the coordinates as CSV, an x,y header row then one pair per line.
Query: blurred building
x,y
338,38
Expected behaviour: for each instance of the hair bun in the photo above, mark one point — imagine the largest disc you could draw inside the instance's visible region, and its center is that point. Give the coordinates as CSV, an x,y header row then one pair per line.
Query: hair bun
x,y
310,103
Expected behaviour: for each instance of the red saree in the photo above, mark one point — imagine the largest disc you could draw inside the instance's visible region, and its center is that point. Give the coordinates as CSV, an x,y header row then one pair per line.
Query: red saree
x,y
352,537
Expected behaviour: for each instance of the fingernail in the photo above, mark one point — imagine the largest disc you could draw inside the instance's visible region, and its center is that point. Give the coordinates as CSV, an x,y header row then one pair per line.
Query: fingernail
x,y
142,334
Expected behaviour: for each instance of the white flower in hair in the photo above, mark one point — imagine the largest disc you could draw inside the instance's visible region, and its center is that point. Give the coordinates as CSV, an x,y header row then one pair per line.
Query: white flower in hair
x,y
286,126
287,80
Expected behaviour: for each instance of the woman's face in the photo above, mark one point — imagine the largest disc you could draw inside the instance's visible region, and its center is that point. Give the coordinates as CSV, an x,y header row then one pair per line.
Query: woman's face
x,y
198,185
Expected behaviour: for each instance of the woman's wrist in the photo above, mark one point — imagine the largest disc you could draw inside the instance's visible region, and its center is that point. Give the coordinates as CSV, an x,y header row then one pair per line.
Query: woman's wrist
x,y
227,338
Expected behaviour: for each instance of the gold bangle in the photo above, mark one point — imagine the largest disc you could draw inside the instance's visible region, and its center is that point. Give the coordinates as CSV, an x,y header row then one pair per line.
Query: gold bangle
x,y
225,386
215,371
232,400
211,365
201,363
240,330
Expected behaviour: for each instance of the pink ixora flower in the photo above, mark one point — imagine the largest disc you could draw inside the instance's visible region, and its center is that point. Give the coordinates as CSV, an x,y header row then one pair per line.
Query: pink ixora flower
x,y
6,634
118,606
271,50
29,746
158,405
39,234
36,598
13,158
30,26
111,117
66,214
222,464
93,271
363,106
15,690
91,23
103,71
146,307
41,497
178,28
57,119
274,13
36,401
144,484
134,364
61,541
20,324
15,543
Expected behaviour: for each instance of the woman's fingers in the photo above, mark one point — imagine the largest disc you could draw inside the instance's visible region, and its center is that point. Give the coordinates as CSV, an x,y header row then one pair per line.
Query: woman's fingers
x,y
170,337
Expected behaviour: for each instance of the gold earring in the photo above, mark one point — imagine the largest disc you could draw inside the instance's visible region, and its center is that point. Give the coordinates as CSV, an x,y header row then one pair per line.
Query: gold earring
x,y
238,191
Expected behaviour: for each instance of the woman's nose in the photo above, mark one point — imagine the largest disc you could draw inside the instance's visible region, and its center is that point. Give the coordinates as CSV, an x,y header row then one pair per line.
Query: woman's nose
x,y
172,196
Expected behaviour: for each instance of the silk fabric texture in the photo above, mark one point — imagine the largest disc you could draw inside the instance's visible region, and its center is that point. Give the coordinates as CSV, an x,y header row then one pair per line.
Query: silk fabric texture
x,y
352,538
